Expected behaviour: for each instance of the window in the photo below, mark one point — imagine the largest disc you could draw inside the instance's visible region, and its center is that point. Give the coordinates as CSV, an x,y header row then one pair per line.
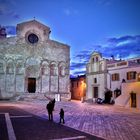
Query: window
x,y
33,38
93,60
115,77
95,80
131,75
97,59
139,77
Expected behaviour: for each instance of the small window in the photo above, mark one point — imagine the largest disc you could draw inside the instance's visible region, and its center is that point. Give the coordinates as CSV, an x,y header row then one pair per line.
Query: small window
x,y
97,59
131,75
115,77
93,60
95,80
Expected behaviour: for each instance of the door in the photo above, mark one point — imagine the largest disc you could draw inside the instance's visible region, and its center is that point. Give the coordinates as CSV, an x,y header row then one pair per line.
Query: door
x,y
95,92
133,100
31,85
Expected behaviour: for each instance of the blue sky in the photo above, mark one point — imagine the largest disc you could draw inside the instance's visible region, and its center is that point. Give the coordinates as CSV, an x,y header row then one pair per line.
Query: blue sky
x,y
109,26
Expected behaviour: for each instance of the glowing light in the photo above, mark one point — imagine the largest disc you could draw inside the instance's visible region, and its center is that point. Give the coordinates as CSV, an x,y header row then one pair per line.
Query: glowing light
x,y
139,77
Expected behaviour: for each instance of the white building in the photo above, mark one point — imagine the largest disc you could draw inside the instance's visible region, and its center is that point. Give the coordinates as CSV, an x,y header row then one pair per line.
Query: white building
x,y
32,63
114,74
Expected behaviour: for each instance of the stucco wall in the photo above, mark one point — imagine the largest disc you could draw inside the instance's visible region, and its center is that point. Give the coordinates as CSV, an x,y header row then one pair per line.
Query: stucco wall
x,y
124,99
123,75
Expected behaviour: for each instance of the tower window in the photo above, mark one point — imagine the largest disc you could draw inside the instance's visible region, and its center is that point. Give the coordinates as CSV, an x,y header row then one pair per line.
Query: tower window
x,y
97,59
93,60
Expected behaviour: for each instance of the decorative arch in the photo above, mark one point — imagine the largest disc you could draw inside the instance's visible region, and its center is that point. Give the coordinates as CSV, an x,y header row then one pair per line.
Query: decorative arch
x,y
62,69
31,60
20,66
10,66
2,65
32,65
53,68
45,70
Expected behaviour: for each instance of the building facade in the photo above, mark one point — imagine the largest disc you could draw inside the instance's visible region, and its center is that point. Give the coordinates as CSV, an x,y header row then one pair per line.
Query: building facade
x,y
78,87
32,63
115,75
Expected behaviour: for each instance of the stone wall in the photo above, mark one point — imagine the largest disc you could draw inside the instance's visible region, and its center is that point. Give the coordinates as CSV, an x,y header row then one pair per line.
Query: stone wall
x,y
43,64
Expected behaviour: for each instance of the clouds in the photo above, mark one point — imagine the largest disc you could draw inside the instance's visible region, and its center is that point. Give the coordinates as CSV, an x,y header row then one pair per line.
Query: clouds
x,y
124,47
78,63
7,9
69,11
104,2
10,30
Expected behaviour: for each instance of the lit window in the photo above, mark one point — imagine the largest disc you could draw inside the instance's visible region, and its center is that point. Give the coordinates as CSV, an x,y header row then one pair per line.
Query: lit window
x,y
115,77
131,75
139,77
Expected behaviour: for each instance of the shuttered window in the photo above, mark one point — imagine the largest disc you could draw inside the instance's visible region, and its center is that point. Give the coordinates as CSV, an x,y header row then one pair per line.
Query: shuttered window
x,y
115,77
131,75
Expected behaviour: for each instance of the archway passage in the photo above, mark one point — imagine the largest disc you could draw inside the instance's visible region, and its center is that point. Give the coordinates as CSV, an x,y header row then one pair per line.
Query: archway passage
x,y
31,85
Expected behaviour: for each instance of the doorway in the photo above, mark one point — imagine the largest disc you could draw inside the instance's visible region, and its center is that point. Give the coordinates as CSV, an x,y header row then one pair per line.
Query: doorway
x,y
133,100
95,92
31,85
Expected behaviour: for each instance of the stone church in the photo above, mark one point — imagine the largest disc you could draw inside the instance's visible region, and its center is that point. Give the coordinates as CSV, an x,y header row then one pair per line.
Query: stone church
x,y
33,64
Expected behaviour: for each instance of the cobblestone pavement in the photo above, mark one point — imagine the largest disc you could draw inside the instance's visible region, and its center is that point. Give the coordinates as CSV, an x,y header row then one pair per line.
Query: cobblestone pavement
x,y
106,121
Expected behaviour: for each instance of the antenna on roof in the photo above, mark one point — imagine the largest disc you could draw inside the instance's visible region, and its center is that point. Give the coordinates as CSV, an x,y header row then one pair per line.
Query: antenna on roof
x,y
34,18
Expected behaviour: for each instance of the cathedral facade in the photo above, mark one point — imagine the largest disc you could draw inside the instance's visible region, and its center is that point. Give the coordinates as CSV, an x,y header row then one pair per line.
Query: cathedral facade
x,y
32,63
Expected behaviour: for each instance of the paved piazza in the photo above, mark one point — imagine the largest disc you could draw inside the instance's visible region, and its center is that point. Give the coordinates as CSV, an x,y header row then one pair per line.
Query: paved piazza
x,y
106,121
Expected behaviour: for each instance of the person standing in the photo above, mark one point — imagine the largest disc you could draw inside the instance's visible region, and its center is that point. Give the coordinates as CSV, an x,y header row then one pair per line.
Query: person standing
x,y
50,111
62,115
53,103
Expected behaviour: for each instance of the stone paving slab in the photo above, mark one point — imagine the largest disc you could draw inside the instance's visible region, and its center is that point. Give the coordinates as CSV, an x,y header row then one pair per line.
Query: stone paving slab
x,y
106,121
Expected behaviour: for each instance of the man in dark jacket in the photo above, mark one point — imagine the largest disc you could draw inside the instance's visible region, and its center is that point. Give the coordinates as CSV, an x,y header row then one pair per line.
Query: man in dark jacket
x,y
50,111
